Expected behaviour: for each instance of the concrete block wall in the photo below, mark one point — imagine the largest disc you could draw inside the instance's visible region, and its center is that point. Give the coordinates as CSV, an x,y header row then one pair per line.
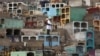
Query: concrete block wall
x,y
75,50
97,4
65,15
79,3
70,49
25,38
58,9
2,33
36,21
13,23
80,48
55,5
15,5
1,23
25,12
90,41
50,40
43,3
22,53
54,1
49,11
80,26
31,31
13,32
96,24
15,8
52,8
93,2
27,53
35,12
4,14
29,22
19,12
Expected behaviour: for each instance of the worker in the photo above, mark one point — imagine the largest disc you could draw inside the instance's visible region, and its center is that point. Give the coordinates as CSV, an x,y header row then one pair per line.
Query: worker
x,y
48,25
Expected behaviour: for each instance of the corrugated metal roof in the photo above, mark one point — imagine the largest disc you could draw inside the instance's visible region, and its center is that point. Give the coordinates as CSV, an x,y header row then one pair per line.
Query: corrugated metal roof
x,y
77,13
